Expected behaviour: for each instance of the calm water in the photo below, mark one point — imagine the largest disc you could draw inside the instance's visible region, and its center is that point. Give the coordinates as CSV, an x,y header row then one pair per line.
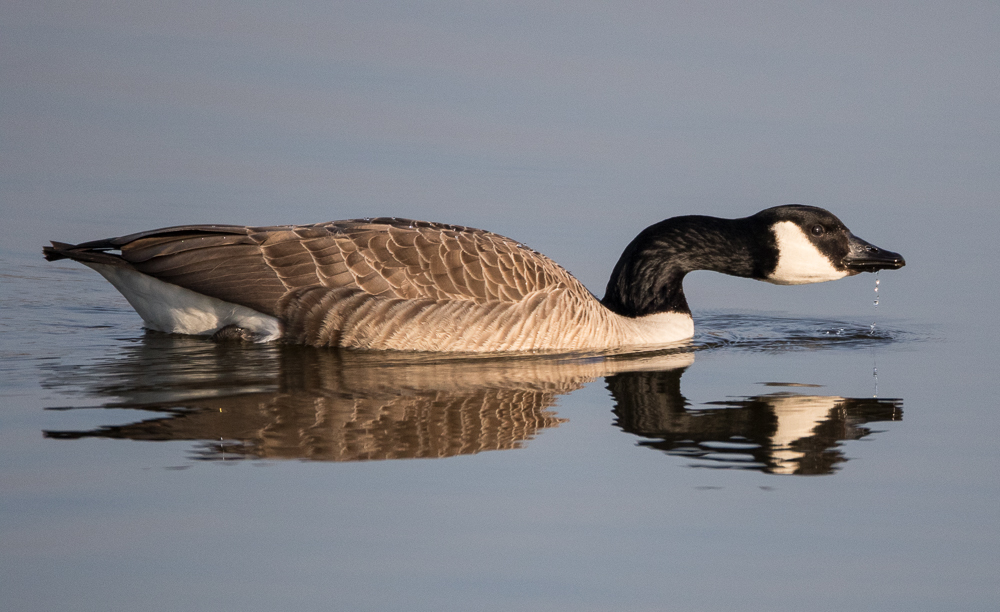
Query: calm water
x,y
143,469
788,459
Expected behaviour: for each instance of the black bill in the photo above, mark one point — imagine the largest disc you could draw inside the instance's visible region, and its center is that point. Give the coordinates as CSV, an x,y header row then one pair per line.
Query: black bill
x,y
866,257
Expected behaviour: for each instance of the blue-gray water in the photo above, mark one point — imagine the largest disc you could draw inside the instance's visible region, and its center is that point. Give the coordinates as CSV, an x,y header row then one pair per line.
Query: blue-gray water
x,y
789,459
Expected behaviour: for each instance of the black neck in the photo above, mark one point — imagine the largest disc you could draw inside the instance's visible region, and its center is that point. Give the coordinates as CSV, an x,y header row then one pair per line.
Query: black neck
x,y
647,278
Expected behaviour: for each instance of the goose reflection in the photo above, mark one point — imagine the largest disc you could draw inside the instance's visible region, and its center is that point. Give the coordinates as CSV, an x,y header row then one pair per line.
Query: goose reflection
x,y
291,402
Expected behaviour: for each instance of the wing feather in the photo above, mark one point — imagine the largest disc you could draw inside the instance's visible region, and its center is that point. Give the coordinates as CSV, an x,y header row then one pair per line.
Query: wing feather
x,y
226,267
354,260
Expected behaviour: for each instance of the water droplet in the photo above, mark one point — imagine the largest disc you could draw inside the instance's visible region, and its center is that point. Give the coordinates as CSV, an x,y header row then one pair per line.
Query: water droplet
x,y
871,331
875,375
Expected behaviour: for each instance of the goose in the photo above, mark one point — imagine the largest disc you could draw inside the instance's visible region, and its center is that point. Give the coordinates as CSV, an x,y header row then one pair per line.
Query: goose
x,y
390,283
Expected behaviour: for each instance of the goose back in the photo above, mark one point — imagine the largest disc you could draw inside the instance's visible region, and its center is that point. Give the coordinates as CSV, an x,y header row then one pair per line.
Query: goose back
x,y
371,283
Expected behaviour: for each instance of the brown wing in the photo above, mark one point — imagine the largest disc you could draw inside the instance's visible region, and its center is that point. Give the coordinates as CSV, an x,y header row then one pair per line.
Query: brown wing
x,y
386,257
413,259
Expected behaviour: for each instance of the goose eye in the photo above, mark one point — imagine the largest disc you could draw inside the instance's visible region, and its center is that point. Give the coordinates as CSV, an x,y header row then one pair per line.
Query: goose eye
x,y
818,230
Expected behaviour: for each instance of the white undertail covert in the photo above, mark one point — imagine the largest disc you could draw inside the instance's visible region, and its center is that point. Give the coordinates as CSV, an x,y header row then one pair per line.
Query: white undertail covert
x,y
168,308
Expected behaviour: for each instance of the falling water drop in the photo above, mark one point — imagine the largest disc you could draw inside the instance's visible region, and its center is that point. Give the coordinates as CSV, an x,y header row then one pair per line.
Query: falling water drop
x,y
875,375
871,330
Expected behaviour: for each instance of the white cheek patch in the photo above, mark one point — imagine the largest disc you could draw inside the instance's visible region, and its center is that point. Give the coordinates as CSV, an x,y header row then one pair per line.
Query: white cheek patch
x,y
798,417
799,261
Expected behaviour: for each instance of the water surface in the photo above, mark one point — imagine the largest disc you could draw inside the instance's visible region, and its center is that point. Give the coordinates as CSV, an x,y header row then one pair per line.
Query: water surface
x,y
194,472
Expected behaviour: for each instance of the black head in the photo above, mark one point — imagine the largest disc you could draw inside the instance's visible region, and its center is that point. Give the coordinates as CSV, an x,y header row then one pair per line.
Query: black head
x,y
814,246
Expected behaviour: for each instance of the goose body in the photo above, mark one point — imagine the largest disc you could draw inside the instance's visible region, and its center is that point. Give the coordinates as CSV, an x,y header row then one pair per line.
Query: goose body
x,y
393,283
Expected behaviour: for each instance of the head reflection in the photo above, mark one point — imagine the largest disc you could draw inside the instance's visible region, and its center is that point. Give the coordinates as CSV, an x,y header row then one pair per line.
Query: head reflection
x,y
291,402
778,433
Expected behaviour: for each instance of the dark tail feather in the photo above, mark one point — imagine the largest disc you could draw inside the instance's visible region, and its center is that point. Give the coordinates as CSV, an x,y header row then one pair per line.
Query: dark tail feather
x,y
81,252
56,251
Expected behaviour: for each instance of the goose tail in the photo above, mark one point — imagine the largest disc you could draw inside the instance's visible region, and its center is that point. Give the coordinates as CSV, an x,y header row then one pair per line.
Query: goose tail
x,y
92,252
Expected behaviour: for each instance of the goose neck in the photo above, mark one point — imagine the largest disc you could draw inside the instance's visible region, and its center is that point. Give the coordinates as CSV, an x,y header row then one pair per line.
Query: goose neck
x,y
648,277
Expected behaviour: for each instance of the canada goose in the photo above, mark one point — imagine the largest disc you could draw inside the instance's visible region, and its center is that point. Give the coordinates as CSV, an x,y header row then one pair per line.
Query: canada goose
x,y
392,283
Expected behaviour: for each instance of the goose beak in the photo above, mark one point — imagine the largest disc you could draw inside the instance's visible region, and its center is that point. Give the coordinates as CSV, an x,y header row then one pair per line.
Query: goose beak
x,y
866,257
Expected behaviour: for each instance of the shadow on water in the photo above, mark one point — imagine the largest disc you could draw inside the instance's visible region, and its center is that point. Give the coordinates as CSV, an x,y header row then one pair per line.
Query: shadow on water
x,y
289,402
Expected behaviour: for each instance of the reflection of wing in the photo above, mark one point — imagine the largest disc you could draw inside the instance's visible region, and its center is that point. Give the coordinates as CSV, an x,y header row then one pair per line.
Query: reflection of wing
x,y
285,401
345,427
779,433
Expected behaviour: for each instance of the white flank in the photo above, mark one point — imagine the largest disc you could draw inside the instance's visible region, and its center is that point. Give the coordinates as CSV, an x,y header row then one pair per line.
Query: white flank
x,y
168,308
799,261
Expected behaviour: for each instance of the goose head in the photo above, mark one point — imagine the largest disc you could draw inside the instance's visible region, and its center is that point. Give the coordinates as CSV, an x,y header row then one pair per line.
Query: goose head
x,y
813,246
784,245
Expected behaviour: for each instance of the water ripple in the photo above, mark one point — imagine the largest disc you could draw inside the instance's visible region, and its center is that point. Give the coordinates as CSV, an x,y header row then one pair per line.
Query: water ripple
x,y
769,332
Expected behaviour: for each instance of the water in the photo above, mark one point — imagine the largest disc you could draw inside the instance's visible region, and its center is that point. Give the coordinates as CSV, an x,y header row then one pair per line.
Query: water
x,y
263,476
793,457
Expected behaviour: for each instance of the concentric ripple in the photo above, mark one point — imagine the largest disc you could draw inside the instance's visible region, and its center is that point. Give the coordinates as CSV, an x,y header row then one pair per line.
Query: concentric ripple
x,y
769,332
